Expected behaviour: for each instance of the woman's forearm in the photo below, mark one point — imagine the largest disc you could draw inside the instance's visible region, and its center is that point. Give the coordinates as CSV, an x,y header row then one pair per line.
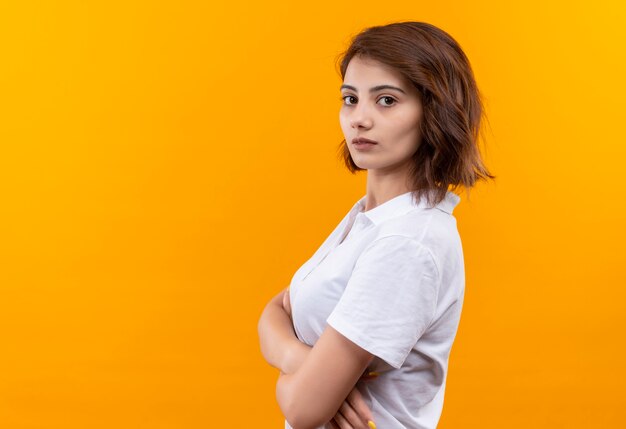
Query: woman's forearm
x,y
296,354
280,346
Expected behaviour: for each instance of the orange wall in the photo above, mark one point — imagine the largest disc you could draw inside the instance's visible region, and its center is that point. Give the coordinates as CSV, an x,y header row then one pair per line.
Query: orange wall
x,y
166,167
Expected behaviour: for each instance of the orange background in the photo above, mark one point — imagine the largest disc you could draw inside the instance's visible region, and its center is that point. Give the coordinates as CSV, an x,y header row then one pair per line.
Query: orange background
x,y
166,167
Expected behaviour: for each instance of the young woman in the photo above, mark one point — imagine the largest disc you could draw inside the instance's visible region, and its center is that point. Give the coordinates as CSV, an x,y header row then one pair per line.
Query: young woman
x,y
363,334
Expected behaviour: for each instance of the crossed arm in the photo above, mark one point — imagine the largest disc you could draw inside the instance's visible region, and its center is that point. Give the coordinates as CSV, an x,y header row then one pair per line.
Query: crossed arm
x,y
314,381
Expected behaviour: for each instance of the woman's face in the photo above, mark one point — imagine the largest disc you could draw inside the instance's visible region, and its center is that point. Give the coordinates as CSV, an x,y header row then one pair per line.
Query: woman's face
x,y
389,116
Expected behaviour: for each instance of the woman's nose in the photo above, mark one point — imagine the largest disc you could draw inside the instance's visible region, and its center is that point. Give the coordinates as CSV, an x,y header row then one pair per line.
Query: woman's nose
x,y
361,117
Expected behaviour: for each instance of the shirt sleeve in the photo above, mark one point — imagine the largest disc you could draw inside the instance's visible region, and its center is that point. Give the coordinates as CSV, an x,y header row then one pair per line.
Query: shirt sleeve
x,y
390,298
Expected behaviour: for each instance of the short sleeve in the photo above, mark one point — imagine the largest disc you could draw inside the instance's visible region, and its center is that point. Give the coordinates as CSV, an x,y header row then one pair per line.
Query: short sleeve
x,y
390,298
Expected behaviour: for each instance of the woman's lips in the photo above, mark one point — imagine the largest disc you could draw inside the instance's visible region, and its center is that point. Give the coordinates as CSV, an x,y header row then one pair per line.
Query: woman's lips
x,y
362,143
358,140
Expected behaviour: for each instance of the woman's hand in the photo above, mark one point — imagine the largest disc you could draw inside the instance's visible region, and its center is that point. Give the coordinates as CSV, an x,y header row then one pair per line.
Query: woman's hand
x,y
353,413
287,303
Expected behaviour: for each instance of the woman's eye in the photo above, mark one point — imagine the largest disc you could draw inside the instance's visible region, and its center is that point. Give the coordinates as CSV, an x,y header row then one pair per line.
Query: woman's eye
x,y
347,96
388,98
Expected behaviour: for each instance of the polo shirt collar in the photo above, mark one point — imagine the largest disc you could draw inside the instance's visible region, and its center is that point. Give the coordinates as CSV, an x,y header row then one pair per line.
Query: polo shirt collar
x,y
402,204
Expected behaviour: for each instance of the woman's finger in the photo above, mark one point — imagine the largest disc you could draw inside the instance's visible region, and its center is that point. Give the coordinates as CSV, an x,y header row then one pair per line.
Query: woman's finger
x,y
332,424
358,405
369,375
287,303
342,422
353,418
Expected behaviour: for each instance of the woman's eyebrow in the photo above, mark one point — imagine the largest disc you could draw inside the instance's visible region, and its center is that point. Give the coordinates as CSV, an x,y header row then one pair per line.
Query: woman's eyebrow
x,y
373,89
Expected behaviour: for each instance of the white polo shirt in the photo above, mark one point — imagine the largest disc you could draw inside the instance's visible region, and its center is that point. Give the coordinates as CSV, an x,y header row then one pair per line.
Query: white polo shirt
x,y
394,286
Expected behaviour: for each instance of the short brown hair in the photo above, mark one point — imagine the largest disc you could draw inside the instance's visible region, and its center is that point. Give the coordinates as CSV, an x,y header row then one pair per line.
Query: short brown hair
x,y
448,155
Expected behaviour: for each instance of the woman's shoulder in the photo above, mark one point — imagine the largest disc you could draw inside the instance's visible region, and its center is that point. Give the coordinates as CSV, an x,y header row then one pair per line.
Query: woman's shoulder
x,y
432,231
430,227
